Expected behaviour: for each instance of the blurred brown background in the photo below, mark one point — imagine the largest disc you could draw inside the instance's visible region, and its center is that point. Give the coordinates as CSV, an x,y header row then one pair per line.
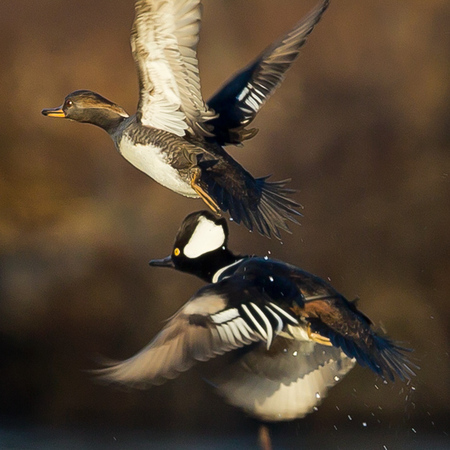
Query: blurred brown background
x,y
361,125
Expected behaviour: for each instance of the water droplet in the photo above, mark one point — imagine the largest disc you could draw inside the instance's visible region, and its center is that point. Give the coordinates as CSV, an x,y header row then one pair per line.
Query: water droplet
x,y
431,317
269,252
315,408
281,242
266,258
295,353
385,447
385,382
231,219
337,407
413,430
376,387
329,278
335,427
336,378
271,278
349,417
317,395
284,350
364,424
413,388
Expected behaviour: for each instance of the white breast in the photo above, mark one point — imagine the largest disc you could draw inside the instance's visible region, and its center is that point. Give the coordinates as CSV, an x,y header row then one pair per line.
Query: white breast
x,y
150,160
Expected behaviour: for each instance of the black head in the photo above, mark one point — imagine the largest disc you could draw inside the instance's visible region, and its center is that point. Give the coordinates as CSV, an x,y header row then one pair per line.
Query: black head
x,y
90,107
200,246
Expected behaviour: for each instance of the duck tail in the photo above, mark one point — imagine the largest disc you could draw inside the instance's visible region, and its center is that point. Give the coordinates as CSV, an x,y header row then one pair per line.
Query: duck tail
x,y
267,207
275,207
256,202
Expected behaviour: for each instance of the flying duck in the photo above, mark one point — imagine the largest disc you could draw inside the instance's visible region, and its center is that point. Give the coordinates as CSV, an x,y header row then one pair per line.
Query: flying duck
x,y
291,336
175,137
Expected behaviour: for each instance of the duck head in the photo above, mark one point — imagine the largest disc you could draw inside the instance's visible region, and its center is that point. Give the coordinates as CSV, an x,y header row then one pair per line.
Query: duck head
x,y
200,246
89,107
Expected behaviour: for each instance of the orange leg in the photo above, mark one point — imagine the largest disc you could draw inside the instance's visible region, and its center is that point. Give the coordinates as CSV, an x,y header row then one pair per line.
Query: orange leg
x,y
203,194
265,443
316,337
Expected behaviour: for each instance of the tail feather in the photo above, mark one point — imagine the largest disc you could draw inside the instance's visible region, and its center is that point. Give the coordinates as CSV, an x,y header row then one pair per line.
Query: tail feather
x,y
264,206
385,357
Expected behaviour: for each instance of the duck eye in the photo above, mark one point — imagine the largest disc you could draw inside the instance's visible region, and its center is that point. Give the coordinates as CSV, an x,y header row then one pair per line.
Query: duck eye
x,y
69,103
176,252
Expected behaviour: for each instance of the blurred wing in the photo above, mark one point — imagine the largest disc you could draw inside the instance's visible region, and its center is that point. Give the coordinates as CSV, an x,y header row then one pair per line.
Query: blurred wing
x,y
221,317
191,335
338,320
284,385
164,40
238,102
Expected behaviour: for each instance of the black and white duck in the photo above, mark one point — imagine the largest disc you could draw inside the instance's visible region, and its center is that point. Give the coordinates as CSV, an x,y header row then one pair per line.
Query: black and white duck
x,y
291,335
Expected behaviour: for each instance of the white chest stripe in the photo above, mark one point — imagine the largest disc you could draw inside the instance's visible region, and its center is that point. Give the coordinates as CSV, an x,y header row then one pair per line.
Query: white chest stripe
x,y
216,276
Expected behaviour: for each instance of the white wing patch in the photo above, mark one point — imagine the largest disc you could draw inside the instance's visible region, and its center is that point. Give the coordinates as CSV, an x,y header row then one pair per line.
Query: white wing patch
x,y
236,333
251,324
205,305
207,237
225,316
164,41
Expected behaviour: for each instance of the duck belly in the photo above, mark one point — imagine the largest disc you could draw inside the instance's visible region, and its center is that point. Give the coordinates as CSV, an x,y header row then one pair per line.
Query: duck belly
x,y
152,161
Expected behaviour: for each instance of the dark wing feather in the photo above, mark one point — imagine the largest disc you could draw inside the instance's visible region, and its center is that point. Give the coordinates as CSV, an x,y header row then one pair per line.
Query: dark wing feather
x,y
257,203
238,102
346,328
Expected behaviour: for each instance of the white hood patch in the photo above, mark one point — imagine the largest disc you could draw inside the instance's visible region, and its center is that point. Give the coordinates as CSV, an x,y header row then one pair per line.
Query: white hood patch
x,y
207,237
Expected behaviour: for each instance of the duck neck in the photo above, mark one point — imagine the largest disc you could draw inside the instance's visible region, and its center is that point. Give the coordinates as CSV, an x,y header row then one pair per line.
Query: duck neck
x,y
109,120
221,259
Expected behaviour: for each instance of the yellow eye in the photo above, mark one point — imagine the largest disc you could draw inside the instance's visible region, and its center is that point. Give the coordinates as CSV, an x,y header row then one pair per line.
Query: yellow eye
x,y
176,252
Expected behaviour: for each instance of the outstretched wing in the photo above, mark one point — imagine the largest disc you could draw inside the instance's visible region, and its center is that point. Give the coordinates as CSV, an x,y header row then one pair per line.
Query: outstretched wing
x,y
164,40
221,317
338,320
238,102
190,336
